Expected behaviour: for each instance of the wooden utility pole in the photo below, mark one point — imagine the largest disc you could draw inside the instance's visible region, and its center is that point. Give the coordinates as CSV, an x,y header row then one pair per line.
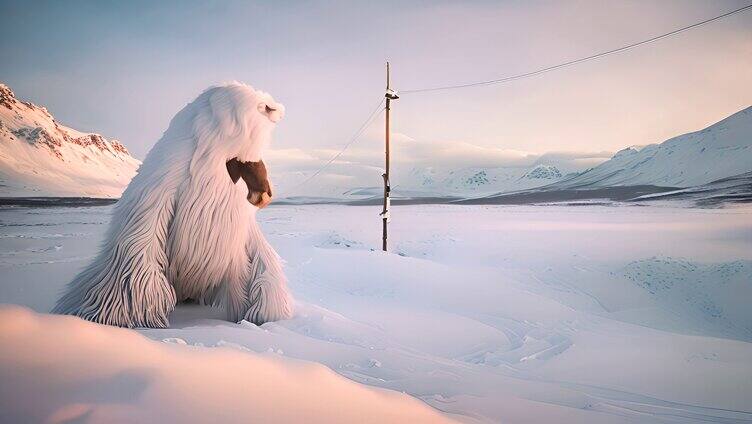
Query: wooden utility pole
x,y
390,95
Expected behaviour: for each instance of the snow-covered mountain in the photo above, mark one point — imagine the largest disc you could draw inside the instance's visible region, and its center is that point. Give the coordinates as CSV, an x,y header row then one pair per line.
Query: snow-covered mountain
x,y
429,181
479,180
721,150
543,172
39,157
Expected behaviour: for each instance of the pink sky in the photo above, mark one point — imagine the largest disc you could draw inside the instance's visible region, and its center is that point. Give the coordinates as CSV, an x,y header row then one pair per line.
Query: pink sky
x,y
125,69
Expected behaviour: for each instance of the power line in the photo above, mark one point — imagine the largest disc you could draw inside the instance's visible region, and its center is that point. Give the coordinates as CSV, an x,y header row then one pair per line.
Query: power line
x,y
378,108
576,61
352,140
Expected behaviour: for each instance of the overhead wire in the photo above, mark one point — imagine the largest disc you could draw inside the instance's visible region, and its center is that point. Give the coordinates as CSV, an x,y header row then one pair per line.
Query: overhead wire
x,y
576,61
528,74
376,111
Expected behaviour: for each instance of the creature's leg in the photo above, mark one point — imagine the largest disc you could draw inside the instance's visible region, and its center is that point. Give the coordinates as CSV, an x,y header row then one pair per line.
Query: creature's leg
x,y
267,296
126,284
235,289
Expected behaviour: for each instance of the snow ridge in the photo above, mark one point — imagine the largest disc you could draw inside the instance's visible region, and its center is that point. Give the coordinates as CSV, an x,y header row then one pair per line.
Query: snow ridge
x,y
721,150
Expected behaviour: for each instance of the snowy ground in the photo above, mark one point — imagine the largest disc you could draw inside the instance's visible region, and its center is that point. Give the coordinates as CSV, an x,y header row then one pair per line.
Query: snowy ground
x,y
487,313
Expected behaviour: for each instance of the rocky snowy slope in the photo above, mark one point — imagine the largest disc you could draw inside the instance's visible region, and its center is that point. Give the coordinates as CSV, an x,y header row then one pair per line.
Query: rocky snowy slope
x,y
721,150
40,157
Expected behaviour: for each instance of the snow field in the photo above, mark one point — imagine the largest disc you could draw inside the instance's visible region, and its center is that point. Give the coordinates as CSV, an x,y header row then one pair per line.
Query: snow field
x,y
487,313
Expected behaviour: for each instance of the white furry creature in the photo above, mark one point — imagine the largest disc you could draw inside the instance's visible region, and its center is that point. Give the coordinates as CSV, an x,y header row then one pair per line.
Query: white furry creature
x,y
184,229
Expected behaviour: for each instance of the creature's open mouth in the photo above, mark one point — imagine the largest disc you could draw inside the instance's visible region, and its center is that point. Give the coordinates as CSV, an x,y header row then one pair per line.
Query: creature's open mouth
x,y
255,177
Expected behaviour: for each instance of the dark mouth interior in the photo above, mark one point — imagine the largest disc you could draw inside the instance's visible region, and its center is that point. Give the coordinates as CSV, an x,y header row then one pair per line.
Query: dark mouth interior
x,y
253,173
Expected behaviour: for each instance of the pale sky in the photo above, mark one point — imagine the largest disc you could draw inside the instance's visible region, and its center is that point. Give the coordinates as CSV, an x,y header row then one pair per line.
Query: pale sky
x,y
124,69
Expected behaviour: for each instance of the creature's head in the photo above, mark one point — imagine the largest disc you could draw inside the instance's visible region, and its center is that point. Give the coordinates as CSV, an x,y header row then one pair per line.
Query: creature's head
x,y
232,128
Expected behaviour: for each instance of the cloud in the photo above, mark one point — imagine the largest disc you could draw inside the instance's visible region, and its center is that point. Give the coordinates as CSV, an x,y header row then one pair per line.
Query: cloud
x,y
408,151
459,154
362,164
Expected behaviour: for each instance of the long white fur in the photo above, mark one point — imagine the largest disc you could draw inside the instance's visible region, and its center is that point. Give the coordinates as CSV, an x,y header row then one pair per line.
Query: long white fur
x,y
183,230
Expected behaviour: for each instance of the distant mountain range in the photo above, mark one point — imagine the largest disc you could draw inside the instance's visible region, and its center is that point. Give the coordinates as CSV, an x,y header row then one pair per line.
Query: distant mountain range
x,y
718,157
708,166
718,152
478,180
470,181
40,157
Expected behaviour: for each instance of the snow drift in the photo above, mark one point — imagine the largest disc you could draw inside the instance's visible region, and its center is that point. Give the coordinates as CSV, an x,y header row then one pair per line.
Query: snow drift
x,y
40,157
520,314
63,369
